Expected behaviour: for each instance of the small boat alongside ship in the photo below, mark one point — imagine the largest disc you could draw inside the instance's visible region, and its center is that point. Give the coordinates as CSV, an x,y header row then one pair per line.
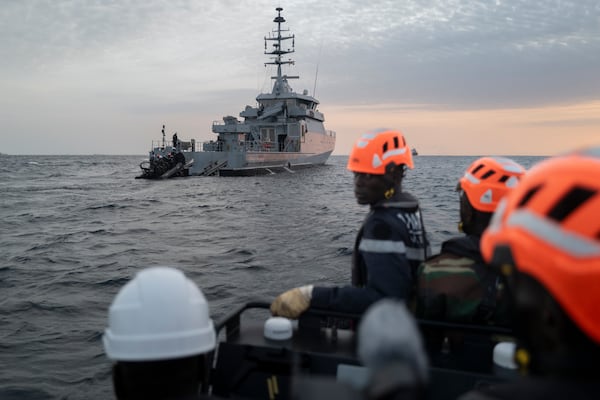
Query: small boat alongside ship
x,y
166,161
283,132
164,168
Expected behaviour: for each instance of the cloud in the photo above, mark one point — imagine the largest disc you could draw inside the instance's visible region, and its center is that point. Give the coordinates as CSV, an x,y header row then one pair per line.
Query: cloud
x,y
455,52
144,56
472,54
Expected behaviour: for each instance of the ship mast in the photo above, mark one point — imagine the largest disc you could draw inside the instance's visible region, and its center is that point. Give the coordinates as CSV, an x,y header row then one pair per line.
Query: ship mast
x,y
278,51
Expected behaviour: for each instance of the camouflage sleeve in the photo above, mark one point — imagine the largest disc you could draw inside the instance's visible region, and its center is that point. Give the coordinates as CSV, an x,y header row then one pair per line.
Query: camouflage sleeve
x,y
448,288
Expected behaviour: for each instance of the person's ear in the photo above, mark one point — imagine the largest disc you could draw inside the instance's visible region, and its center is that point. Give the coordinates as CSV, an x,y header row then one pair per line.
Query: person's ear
x,y
466,211
395,171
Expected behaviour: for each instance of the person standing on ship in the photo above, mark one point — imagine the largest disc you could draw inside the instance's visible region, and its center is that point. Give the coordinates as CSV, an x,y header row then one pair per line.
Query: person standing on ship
x,y
175,141
391,243
457,285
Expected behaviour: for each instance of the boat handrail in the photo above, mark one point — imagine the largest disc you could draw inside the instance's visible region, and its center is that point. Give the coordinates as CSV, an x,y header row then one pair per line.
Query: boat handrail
x,y
232,321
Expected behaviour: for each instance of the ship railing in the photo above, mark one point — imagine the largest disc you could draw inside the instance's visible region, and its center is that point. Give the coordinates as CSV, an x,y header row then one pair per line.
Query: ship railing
x,y
260,146
159,144
330,133
183,145
215,145
253,146
212,145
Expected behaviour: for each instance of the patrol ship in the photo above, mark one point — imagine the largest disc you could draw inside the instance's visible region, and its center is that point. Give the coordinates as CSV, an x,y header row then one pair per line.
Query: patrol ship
x,y
283,132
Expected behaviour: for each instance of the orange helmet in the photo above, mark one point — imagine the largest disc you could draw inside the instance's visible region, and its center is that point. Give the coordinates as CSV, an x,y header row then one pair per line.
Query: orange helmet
x,y
372,152
551,224
488,179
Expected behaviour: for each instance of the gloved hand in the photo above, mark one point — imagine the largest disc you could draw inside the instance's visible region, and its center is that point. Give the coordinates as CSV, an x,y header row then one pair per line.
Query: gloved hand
x,y
293,302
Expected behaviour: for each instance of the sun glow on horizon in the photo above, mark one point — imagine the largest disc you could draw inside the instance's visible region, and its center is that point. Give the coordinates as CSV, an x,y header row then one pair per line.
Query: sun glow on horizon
x,y
521,131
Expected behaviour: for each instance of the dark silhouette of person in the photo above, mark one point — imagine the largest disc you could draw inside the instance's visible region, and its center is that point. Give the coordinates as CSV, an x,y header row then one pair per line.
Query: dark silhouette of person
x,y
544,240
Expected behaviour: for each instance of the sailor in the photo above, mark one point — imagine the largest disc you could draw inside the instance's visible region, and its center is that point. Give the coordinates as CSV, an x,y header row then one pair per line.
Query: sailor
x,y
456,285
160,335
175,141
544,238
389,246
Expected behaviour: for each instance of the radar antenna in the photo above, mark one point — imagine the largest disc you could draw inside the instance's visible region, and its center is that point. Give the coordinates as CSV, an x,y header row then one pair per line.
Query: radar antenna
x,y
278,51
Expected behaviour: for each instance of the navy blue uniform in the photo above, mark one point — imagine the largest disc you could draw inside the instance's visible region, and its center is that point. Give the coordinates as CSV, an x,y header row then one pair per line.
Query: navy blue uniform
x,y
389,247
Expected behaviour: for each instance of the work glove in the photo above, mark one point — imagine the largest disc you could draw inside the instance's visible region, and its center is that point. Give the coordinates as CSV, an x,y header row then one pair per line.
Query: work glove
x,y
292,303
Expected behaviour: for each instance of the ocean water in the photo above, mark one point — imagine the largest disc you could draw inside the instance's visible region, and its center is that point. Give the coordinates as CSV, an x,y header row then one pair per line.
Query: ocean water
x,y
75,229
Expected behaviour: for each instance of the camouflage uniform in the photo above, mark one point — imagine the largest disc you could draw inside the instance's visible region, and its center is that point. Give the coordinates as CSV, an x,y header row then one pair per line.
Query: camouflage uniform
x,y
457,286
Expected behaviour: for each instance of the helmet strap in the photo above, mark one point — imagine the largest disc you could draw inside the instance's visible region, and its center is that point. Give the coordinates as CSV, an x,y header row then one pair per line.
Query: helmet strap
x,y
523,359
389,193
393,179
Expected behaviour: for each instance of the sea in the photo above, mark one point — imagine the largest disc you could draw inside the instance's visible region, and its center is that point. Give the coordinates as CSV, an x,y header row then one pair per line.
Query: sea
x,y
75,229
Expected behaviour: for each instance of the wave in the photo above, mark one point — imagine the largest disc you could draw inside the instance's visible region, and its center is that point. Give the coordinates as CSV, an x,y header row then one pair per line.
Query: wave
x,y
78,228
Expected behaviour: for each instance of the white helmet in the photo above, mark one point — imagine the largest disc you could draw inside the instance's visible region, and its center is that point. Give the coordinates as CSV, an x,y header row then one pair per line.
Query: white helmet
x,y
158,315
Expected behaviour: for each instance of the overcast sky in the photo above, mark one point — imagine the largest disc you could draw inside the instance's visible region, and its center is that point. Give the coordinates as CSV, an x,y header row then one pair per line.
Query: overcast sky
x,y
457,76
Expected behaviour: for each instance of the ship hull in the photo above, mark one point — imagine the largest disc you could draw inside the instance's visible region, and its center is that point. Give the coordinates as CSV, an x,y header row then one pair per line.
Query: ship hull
x,y
288,164
315,151
249,164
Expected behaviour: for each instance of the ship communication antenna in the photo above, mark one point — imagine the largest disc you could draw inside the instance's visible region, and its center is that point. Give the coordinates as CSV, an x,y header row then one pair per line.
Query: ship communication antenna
x,y
314,93
279,36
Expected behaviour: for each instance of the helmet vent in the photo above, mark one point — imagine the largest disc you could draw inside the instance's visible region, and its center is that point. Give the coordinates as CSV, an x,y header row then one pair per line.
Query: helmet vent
x,y
396,145
385,147
476,169
488,174
570,202
503,179
529,195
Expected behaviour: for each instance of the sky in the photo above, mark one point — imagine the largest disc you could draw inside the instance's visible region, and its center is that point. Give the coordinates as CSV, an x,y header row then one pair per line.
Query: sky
x,y
457,77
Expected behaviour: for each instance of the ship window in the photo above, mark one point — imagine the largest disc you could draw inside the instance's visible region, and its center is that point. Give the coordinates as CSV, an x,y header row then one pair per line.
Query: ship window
x,y
267,134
